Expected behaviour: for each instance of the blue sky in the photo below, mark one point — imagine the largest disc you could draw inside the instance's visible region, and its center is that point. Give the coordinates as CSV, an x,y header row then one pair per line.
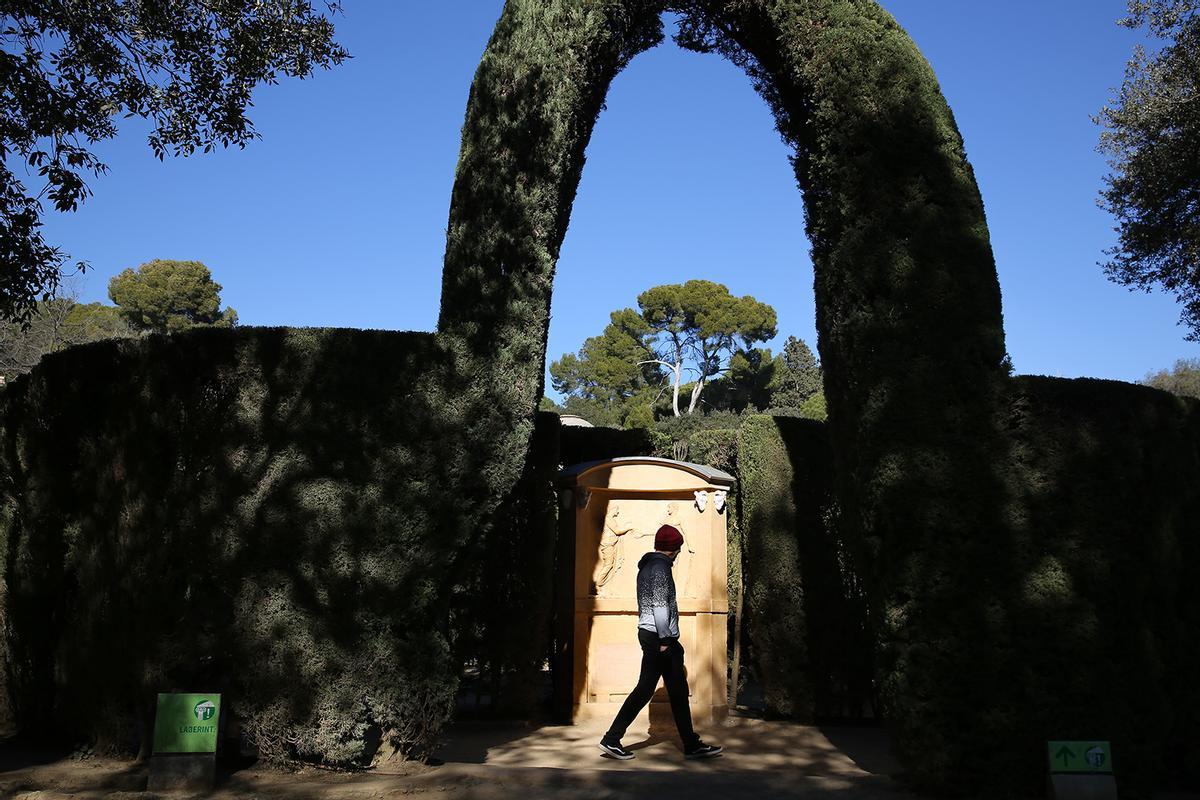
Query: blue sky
x,y
338,215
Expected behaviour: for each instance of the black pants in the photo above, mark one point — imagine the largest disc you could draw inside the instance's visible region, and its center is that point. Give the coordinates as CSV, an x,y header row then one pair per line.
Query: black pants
x,y
657,664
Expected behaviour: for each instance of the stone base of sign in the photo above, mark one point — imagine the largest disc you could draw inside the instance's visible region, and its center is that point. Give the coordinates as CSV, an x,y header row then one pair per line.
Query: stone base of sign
x,y
188,771
1083,787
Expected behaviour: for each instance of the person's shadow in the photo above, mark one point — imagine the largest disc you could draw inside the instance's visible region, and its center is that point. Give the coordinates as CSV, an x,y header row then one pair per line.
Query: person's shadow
x,y
654,737
662,729
662,724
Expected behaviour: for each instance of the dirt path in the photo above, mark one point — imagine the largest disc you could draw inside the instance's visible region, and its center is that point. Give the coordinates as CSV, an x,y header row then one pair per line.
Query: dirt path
x,y
763,761
489,762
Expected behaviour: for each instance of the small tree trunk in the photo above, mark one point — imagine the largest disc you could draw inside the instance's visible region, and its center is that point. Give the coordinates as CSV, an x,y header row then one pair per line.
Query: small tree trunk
x,y
678,378
696,396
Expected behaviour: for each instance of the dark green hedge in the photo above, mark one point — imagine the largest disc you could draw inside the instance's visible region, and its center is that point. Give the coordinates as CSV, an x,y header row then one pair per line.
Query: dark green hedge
x,y
773,605
501,611
1102,571
283,515
911,341
716,447
276,514
805,608
578,445
1074,611
534,100
1086,598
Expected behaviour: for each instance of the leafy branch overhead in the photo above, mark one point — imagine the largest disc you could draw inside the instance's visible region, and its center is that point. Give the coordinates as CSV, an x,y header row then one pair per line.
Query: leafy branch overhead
x,y
1151,136
70,70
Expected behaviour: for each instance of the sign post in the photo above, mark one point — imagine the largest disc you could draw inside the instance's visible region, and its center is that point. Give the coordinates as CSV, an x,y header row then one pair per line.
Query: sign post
x,y
1081,769
186,731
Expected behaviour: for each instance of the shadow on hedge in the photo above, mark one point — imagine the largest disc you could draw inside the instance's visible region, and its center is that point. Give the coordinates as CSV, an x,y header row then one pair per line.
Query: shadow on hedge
x,y
275,514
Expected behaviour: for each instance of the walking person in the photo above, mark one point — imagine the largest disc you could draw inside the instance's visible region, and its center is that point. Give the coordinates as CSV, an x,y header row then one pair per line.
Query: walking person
x,y
662,655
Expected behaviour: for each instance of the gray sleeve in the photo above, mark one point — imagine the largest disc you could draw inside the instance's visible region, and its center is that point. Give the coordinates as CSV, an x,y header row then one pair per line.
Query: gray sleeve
x,y
662,621
659,601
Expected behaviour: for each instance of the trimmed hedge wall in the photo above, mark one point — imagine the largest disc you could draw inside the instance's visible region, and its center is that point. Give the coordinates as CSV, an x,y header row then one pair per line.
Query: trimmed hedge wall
x,y
1088,600
1074,611
578,445
908,312
773,605
501,611
273,514
276,514
1101,576
911,342
805,608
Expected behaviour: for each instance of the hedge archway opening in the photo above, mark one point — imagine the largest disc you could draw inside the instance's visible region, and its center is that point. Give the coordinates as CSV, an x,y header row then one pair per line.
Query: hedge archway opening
x,y
908,302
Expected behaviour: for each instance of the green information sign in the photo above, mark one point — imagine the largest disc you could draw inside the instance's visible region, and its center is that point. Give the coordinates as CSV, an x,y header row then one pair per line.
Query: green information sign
x,y
1094,757
187,723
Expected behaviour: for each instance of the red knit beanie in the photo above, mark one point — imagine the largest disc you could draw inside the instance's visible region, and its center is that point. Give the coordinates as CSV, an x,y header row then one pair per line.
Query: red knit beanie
x,y
668,538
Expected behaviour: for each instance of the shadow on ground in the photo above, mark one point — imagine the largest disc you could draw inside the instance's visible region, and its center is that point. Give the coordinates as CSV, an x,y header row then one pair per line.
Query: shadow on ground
x,y
763,759
751,745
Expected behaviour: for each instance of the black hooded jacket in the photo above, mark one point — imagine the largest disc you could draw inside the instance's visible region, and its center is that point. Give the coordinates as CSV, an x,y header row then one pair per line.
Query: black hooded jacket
x,y
657,611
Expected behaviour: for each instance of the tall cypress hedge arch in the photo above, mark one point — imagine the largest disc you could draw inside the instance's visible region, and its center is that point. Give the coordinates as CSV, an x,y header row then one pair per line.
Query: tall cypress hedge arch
x,y
908,303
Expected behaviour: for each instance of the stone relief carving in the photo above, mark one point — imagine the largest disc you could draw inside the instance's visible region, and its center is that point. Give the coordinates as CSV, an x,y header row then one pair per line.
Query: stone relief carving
x,y
701,500
719,497
612,555
623,523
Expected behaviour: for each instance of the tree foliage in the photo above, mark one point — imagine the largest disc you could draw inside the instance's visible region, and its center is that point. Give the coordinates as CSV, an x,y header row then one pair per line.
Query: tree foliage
x,y
800,376
164,296
698,326
69,71
160,297
91,322
1183,379
610,370
1151,136
696,329
749,383
594,412
55,325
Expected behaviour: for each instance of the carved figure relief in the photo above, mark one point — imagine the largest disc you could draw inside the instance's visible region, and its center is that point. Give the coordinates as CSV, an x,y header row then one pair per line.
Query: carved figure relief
x,y
612,555
719,498
701,499
624,523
